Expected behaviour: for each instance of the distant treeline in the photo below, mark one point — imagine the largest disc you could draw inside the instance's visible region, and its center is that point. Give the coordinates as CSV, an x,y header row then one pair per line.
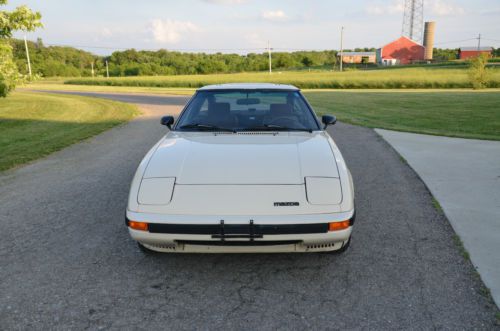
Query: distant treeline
x,y
51,61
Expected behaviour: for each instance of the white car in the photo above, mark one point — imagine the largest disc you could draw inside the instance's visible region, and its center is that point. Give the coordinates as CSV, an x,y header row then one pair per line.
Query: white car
x,y
245,168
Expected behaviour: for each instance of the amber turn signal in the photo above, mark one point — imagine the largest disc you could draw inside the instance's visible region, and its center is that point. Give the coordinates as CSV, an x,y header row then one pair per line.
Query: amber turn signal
x,y
337,226
141,226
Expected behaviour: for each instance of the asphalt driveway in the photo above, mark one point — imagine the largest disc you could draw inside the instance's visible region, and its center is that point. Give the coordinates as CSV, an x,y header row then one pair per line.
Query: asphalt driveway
x,y
67,262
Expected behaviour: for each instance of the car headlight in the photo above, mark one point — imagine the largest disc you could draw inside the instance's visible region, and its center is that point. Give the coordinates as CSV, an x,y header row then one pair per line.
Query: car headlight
x,y
156,191
323,190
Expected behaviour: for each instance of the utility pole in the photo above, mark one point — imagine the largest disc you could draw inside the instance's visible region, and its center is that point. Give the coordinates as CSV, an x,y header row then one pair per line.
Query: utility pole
x,y
269,54
341,46
27,55
107,69
92,65
479,42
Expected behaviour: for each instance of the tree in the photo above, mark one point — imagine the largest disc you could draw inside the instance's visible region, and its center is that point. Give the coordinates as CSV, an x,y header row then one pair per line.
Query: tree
x,y
23,19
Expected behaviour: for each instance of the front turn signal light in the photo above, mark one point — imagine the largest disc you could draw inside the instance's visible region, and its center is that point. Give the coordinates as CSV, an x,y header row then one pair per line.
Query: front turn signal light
x,y
337,226
141,226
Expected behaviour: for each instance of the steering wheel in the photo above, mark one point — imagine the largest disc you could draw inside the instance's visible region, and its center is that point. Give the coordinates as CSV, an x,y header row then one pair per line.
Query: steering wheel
x,y
284,121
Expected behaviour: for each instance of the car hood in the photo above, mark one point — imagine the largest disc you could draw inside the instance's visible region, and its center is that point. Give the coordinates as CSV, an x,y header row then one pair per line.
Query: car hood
x,y
249,158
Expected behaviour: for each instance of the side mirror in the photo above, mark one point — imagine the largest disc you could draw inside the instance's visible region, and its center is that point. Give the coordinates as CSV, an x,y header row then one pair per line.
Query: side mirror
x,y
328,120
167,121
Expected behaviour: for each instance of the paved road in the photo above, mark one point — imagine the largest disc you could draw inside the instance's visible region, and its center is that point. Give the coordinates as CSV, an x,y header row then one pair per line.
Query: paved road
x,y
464,176
67,262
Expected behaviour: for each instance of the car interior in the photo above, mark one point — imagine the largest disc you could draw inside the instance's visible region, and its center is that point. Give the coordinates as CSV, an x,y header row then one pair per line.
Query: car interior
x,y
245,113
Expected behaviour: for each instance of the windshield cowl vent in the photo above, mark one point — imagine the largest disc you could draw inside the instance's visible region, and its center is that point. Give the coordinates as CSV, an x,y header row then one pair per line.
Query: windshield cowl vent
x,y
252,133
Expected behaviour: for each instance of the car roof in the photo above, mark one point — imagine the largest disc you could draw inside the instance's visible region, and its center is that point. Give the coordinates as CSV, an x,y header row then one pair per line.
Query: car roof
x,y
249,86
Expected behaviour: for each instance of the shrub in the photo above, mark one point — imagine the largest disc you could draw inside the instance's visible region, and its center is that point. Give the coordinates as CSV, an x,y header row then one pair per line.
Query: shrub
x,y
8,70
478,73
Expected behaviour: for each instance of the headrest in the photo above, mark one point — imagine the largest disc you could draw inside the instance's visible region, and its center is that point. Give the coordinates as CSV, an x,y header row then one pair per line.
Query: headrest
x,y
219,109
280,109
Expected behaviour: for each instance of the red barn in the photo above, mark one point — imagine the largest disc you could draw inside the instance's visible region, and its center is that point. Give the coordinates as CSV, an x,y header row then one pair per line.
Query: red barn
x,y
465,53
401,51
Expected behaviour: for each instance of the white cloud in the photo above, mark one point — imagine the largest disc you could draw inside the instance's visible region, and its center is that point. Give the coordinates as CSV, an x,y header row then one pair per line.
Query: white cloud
x,y
396,7
225,2
443,8
437,7
106,33
171,31
274,15
255,40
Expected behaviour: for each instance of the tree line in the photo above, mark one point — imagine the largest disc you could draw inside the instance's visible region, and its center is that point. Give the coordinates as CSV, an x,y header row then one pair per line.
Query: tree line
x,y
50,61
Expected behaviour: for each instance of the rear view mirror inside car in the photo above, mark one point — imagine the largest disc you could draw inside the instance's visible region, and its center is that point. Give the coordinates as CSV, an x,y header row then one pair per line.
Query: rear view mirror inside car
x,y
248,101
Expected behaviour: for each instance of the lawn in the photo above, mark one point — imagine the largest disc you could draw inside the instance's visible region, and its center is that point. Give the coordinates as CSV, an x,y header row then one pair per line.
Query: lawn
x,y
466,114
398,78
34,125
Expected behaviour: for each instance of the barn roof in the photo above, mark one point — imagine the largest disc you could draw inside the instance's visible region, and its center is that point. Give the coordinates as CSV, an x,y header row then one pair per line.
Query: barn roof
x,y
481,49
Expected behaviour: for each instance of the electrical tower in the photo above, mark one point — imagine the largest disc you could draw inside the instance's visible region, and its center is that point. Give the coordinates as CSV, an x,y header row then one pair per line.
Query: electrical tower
x,y
413,19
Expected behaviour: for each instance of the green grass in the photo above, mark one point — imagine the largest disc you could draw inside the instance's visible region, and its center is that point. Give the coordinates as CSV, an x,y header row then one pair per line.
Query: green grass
x,y
355,79
34,125
437,205
466,114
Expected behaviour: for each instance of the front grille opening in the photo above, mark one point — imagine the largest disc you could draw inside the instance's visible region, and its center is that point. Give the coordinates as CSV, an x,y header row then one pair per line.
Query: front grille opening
x,y
239,243
160,246
320,246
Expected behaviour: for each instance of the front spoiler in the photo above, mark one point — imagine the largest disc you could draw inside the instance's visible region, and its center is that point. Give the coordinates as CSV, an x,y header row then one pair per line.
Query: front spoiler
x,y
272,236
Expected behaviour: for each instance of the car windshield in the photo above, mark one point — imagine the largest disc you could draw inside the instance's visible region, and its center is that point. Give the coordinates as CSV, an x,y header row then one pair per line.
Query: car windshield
x,y
247,110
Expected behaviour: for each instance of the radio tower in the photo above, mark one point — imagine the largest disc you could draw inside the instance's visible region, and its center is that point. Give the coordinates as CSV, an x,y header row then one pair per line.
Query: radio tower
x,y
413,19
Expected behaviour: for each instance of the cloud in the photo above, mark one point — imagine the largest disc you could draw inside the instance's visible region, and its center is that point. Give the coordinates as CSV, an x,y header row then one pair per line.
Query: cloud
x,y
255,40
396,7
274,15
171,31
443,8
106,33
225,2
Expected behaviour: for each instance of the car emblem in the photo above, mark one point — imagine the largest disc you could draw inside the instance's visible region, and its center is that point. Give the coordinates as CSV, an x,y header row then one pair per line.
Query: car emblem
x,y
286,204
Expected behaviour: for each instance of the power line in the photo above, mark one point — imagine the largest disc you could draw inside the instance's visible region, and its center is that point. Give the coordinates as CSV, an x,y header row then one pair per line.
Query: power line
x,y
455,41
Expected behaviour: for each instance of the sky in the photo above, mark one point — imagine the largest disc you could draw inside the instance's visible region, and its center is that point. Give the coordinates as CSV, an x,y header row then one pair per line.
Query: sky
x,y
242,26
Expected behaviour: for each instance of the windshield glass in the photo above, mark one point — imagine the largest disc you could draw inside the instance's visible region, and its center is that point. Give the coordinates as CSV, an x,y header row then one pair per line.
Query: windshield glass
x,y
247,110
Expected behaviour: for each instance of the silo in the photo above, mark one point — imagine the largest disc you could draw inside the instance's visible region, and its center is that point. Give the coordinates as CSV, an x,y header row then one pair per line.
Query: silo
x,y
430,28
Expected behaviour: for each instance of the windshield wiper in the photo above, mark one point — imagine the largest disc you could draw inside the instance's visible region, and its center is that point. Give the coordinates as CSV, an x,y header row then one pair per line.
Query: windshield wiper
x,y
207,127
273,127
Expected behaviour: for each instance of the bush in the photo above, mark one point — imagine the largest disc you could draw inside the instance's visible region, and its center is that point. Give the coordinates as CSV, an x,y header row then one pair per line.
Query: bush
x,y
478,73
8,70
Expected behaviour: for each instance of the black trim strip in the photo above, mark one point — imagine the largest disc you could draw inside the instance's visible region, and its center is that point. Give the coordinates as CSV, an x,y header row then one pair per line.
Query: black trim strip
x,y
238,229
238,243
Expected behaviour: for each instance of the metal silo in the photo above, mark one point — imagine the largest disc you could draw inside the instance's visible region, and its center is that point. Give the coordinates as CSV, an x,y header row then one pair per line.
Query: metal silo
x,y
430,28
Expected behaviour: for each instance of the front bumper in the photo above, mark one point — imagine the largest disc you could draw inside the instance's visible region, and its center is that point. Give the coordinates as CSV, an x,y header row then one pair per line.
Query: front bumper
x,y
275,234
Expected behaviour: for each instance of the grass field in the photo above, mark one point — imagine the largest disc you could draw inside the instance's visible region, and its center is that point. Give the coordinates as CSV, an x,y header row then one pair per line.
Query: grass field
x,y
399,78
34,125
465,114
